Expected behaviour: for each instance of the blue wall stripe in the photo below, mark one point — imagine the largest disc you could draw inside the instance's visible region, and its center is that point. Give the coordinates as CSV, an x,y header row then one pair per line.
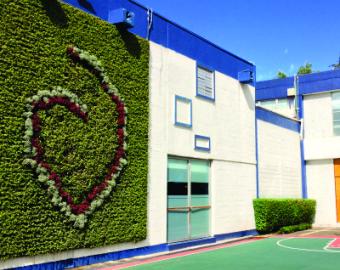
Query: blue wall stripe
x,y
273,89
173,36
308,84
77,262
232,235
277,119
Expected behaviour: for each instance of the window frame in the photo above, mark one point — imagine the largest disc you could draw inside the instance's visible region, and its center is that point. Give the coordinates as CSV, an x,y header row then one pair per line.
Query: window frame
x,y
333,111
199,66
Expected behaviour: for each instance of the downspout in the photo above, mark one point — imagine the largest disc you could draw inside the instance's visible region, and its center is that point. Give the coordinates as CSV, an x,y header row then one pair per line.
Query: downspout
x,y
300,117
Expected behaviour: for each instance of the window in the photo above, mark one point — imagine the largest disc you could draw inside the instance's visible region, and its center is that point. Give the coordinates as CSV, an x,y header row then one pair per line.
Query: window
x,y
183,112
188,199
336,113
205,83
285,106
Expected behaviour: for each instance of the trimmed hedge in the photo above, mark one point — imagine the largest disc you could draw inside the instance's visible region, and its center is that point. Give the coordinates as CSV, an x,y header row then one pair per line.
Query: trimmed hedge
x,y
33,40
272,214
295,228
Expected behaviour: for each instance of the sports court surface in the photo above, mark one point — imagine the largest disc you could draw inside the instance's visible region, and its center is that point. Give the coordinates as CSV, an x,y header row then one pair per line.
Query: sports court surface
x,y
308,250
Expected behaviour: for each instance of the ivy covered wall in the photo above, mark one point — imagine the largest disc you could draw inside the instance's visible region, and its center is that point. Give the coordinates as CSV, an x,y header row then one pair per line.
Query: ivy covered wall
x,y
34,36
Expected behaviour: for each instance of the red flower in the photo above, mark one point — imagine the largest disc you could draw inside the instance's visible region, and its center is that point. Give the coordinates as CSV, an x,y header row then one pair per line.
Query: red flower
x,y
70,50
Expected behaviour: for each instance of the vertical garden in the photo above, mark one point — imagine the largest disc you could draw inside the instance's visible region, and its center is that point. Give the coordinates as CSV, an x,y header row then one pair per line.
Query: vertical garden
x,y
73,130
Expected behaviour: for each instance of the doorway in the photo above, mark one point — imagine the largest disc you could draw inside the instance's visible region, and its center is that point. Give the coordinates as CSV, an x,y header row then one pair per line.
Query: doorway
x,y
188,199
337,187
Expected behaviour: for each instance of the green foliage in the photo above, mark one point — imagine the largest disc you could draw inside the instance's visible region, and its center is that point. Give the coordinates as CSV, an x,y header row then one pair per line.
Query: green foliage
x,y
33,40
306,69
281,75
272,214
295,228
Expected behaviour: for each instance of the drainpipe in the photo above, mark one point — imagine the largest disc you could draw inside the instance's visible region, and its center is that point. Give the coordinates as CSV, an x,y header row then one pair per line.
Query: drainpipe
x,y
299,116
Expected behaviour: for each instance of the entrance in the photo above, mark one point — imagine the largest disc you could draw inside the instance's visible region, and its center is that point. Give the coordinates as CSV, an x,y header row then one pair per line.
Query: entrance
x,y
337,186
188,199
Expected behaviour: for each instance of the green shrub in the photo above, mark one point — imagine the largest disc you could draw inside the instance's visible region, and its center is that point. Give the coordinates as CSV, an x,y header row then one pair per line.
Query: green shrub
x,y
272,214
34,36
295,228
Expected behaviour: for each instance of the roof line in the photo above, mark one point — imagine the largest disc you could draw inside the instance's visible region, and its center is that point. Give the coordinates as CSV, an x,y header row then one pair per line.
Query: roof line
x,y
193,33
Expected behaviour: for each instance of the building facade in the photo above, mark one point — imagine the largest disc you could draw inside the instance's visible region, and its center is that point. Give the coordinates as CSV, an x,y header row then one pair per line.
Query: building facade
x,y
314,103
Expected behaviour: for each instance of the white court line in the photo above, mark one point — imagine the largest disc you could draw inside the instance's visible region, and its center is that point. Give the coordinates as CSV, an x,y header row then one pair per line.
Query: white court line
x,y
324,250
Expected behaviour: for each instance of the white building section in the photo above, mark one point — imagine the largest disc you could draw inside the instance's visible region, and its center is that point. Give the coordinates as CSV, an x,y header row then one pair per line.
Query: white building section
x,y
279,160
320,141
228,123
321,187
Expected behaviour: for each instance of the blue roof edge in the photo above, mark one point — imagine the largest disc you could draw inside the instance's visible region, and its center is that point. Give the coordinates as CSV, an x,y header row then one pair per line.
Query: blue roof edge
x,y
173,36
317,82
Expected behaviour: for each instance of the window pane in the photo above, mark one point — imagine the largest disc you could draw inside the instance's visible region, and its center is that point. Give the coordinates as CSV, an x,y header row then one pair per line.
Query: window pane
x,y
199,188
176,188
336,113
205,82
177,170
199,171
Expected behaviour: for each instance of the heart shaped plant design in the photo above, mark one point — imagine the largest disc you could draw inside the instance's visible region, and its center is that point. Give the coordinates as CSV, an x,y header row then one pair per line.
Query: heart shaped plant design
x,y
45,100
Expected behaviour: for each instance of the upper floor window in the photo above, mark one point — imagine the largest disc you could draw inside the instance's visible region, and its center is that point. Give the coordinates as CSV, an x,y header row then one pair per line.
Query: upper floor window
x,y
205,83
336,113
285,106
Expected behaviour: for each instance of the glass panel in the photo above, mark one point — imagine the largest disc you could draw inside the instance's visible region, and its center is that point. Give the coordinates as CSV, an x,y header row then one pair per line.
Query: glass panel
x,y
199,171
175,188
178,225
177,170
199,189
269,104
199,219
282,104
177,201
336,113
199,200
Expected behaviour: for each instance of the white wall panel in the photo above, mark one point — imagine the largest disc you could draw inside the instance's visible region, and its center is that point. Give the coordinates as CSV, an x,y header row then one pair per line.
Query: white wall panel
x,y
279,162
321,187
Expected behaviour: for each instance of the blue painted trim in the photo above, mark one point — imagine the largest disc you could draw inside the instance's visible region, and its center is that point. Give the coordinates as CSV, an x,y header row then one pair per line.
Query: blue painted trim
x,y
273,89
224,236
302,150
200,137
187,100
191,243
123,254
277,119
214,88
172,36
88,260
308,84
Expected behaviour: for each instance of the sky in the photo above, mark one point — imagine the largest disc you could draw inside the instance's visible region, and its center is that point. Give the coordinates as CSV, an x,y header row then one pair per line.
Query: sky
x,y
275,35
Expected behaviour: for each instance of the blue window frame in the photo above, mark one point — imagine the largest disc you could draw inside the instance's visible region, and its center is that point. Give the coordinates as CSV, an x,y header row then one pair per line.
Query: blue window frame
x,y
179,119
205,83
204,139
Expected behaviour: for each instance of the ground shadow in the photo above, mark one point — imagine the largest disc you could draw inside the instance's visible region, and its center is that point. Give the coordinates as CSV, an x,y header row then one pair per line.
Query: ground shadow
x,y
55,12
130,40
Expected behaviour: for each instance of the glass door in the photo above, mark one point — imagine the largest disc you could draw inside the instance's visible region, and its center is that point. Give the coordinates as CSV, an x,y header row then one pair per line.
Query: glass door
x,y
188,199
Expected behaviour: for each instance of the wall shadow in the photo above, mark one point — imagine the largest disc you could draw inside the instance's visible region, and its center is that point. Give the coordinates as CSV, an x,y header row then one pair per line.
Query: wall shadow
x,y
55,12
130,40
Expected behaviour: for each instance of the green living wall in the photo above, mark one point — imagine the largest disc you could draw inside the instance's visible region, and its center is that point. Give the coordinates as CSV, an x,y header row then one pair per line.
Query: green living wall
x,y
34,36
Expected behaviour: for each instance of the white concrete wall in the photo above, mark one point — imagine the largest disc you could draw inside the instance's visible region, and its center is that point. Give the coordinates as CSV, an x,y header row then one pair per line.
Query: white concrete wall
x,y
279,162
229,121
320,143
321,187
321,147
233,189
